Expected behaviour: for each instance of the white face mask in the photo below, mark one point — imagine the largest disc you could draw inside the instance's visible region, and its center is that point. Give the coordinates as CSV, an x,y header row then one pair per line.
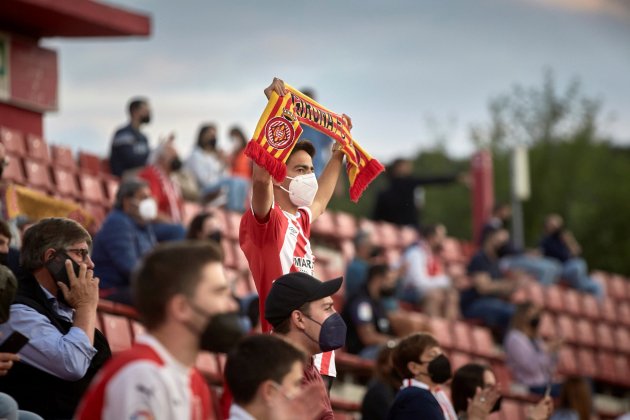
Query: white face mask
x,y
302,189
148,209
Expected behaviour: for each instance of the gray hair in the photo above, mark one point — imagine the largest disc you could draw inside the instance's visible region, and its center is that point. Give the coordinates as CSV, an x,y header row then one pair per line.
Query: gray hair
x,y
128,188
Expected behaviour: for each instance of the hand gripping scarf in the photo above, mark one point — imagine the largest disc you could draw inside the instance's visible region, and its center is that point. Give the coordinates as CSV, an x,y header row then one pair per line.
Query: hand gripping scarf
x,y
278,131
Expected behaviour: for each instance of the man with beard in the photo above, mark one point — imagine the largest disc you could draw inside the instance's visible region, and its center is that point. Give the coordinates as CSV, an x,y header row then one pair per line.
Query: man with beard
x,y
130,148
180,305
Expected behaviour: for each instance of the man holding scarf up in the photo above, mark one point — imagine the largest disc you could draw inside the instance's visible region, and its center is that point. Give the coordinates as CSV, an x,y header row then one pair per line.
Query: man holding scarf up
x,y
274,234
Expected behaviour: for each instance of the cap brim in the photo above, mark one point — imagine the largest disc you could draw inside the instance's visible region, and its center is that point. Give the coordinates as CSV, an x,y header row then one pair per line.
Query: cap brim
x,y
327,288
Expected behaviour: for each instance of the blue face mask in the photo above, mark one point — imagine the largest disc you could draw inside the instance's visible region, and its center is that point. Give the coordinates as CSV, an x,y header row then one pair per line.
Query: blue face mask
x,y
332,334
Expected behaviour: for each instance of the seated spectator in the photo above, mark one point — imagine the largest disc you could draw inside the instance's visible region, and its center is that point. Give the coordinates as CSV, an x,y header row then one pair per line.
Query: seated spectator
x,y
126,235
180,305
209,166
487,298
368,326
422,366
300,308
560,244
356,271
205,226
167,194
532,361
576,400
56,308
546,270
241,164
263,373
382,389
425,280
475,395
130,148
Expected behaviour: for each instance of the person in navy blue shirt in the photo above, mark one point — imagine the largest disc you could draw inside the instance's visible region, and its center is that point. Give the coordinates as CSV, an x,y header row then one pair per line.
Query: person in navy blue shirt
x,y
422,365
130,148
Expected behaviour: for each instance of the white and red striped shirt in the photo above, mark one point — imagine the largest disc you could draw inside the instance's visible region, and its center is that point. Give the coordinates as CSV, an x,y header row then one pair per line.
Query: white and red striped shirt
x,y
279,246
146,383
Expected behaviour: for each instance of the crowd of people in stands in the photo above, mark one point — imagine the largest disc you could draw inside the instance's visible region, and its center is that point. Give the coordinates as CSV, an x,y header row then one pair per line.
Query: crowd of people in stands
x,y
173,275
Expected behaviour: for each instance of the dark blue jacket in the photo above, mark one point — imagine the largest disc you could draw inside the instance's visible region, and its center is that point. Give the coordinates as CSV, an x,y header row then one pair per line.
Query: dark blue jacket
x,y
118,247
130,149
415,403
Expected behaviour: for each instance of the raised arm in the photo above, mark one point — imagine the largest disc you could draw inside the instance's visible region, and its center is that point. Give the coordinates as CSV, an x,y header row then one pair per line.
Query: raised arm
x,y
327,182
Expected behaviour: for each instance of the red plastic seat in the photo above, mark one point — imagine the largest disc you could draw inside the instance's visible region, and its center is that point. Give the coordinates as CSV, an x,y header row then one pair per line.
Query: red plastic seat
x,y
13,141
62,156
97,212
346,225
616,287
483,342
208,365
65,183
585,334
566,328
554,300
503,375
604,336
14,171
462,336
37,175
536,293
441,330
118,332
623,313
606,367
567,361
137,329
37,148
608,310
92,189
89,163
622,338
111,183
512,410
572,302
590,306
586,362
458,359
622,367
548,325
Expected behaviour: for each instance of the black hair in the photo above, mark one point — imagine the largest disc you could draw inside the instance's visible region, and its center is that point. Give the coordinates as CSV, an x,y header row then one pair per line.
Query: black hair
x,y
465,382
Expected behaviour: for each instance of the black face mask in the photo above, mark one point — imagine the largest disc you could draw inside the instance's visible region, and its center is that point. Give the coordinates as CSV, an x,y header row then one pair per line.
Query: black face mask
x,y
388,291
4,258
146,119
210,143
176,164
215,236
56,266
503,250
222,332
497,405
439,369
535,322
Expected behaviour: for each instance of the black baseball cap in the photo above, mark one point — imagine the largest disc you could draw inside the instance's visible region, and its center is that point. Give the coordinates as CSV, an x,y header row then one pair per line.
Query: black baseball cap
x,y
290,291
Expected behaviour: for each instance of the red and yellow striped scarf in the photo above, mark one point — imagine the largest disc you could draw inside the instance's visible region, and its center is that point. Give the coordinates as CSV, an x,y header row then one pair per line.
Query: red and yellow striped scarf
x,y
278,131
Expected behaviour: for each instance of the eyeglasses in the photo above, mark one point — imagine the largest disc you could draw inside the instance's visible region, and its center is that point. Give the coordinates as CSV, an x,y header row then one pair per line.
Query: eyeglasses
x,y
83,253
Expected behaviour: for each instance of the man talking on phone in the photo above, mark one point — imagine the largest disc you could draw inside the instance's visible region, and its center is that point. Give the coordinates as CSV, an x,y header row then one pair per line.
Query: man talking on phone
x,y
55,308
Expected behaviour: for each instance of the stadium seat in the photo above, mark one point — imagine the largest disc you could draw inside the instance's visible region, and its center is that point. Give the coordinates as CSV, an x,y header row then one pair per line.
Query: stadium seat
x,y
37,175
13,141
65,183
566,327
547,325
14,171
536,293
118,332
92,189
208,365
554,300
502,373
105,168
586,362
97,211
616,287
462,337
585,334
482,342
111,183
89,163
442,331
37,148
137,329
345,225
62,156
512,410
623,313
567,361
572,302
590,306
608,310
458,359
606,367
622,339
604,336
622,367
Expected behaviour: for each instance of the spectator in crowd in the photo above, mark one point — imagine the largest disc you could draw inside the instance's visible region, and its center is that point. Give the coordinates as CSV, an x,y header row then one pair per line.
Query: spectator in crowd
x,y
208,164
8,406
319,140
487,298
264,373
531,360
130,148
382,389
366,253
126,235
475,395
274,234
56,308
300,308
546,270
398,202
560,244
158,174
179,304
5,241
423,366
576,400
425,280
205,226
366,316
241,164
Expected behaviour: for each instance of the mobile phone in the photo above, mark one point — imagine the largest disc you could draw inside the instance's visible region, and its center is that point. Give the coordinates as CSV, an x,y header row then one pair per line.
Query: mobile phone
x,y
14,343
57,267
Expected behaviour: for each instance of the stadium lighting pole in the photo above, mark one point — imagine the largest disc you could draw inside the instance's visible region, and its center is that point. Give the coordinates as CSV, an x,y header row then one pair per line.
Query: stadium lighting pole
x,y
519,175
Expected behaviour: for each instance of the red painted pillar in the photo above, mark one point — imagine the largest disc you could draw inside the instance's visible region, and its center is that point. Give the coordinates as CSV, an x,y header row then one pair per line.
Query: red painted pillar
x,y
482,191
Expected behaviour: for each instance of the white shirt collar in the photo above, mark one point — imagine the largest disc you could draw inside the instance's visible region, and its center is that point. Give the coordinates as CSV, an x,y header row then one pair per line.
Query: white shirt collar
x,y
238,413
414,382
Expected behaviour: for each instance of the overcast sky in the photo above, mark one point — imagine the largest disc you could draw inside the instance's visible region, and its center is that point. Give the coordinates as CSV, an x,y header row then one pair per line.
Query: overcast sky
x,y
390,65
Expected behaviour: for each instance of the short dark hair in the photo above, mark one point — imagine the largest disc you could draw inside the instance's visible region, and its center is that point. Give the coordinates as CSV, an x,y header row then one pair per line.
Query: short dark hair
x,y
5,230
304,145
410,349
161,275
256,359
136,103
428,231
285,326
202,131
376,270
196,224
128,188
465,382
54,232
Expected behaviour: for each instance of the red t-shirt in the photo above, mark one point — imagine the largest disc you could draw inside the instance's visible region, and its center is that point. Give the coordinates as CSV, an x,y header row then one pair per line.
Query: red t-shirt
x,y
167,194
